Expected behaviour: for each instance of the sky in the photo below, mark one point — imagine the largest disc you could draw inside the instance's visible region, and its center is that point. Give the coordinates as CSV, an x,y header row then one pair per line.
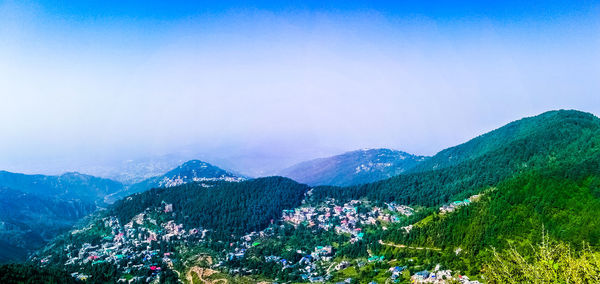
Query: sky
x,y
262,85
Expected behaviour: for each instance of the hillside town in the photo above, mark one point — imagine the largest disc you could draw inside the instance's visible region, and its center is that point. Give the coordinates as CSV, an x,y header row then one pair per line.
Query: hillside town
x,y
347,218
145,246
140,249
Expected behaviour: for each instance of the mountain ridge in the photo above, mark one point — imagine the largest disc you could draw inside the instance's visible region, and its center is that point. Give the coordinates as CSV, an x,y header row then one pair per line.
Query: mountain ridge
x,y
353,167
190,171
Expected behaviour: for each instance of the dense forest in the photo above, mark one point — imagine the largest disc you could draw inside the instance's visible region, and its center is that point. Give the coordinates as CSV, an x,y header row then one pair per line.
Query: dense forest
x,y
225,208
29,273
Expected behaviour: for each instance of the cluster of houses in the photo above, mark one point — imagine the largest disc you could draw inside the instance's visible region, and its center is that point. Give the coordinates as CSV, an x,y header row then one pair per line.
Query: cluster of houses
x,y
133,247
179,180
440,276
447,208
396,272
307,265
346,218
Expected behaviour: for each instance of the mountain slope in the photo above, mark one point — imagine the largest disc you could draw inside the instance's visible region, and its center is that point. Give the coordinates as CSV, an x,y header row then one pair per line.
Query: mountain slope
x,y
191,171
499,138
36,208
67,186
556,137
28,221
356,167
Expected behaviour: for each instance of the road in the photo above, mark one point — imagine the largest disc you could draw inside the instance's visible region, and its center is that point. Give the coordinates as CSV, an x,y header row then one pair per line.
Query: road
x,y
405,246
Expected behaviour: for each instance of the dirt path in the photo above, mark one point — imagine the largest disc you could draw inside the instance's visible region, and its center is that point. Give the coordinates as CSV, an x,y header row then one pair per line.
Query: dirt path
x,y
202,273
408,247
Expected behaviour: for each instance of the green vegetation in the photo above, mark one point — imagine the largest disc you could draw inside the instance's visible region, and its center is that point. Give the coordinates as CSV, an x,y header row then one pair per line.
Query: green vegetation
x,y
548,262
28,221
27,273
225,208
69,186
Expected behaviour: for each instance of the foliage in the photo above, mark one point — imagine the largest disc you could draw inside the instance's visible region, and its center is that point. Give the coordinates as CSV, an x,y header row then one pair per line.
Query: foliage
x,y
548,262
27,273
28,221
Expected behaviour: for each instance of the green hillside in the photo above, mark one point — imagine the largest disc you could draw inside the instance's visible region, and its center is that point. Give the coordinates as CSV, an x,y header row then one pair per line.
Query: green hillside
x,y
557,138
28,222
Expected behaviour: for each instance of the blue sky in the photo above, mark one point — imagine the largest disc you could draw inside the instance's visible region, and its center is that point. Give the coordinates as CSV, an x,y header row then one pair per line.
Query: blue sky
x,y
287,80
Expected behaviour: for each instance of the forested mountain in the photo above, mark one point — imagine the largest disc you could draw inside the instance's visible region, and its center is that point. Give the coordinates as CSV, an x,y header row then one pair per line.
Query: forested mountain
x,y
557,138
68,186
190,171
36,208
28,221
351,168
533,174
235,207
517,130
562,201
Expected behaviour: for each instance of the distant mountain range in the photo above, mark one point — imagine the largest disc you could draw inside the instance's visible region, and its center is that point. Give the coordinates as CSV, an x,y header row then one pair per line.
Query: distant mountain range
x,y
69,186
351,168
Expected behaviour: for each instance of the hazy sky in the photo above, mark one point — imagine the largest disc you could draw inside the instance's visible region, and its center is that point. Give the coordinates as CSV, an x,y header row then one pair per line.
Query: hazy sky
x,y
96,80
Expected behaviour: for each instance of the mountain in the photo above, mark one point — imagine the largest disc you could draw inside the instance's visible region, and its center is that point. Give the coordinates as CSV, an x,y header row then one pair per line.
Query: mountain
x,y
556,137
527,128
28,222
533,181
191,171
36,208
351,168
69,186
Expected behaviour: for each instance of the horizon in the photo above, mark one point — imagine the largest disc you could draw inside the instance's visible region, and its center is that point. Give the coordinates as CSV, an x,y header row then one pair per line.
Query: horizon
x,y
242,172
92,85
